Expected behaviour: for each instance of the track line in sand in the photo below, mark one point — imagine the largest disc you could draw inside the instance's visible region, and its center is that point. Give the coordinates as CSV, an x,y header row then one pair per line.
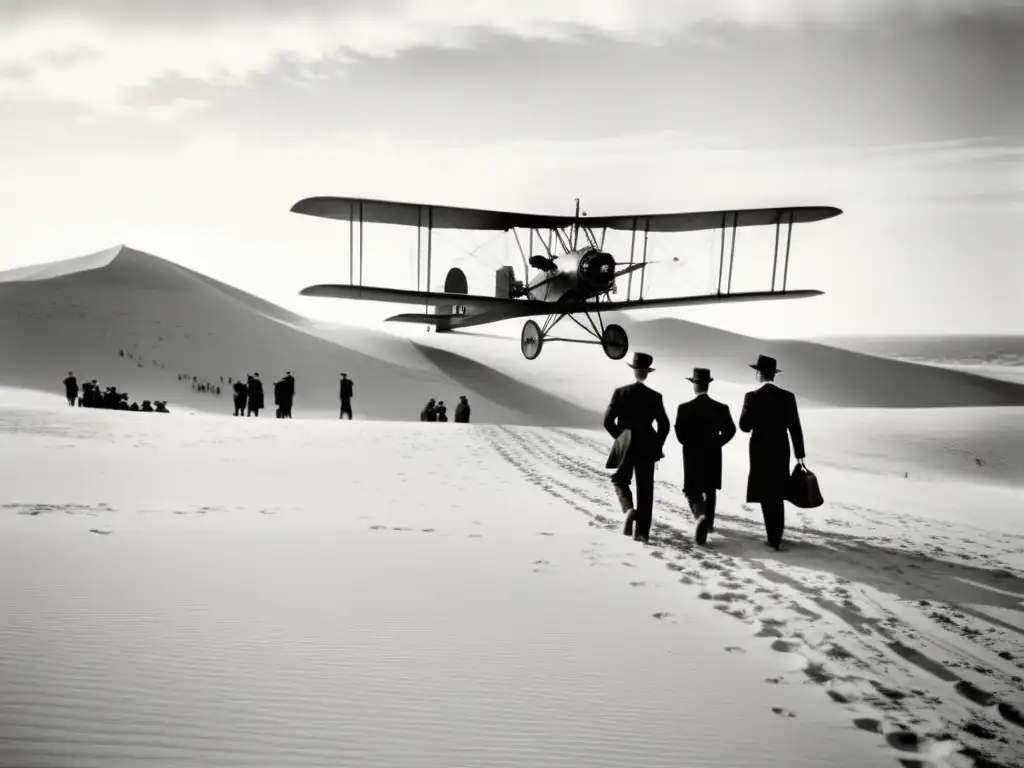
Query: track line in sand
x,y
867,658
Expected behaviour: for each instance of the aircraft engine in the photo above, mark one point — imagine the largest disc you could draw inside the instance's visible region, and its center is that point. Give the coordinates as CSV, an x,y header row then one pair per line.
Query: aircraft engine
x,y
596,270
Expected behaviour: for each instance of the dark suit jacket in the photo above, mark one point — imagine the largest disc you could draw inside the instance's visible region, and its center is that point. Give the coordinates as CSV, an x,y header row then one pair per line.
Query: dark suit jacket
x,y
770,415
703,426
629,418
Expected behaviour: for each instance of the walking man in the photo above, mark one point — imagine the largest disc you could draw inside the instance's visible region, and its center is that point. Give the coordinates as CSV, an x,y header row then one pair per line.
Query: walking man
x,y
345,392
638,446
703,426
71,389
462,411
770,415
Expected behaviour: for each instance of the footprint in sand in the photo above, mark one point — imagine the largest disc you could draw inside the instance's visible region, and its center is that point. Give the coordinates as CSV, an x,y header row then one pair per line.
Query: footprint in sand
x,y
545,533
773,680
101,533
734,649
662,615
783,712
1011,713
869,724
970,691
427,530
637,583
541,562
785,646
904,741
475,536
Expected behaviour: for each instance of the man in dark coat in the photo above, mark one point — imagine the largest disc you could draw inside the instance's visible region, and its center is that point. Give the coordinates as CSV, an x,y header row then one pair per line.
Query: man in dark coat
x,y
429,412
638,446
770,415
462,411
241,395
345,394
255,395
703,426
289,393
71,389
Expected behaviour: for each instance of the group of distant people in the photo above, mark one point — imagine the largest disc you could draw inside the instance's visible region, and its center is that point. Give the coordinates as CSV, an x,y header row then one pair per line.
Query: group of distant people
x,y
703,426
249,397
91,395
436,410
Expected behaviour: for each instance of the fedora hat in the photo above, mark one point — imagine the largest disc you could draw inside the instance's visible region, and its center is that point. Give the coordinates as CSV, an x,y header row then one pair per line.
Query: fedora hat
x,y
641,362
702,375
766,364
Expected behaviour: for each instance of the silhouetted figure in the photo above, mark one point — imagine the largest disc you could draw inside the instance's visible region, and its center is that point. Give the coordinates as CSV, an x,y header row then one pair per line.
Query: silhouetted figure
x,y
441,411
462,411
770,415
147,407
71,389
135,406
638,446
289,393
255,395
279,398
218,390
702,427
121,352
241,396
161,406
428,413
345,394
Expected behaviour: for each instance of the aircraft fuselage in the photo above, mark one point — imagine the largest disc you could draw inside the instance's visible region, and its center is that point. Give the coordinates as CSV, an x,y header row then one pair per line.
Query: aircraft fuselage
x,y
578,275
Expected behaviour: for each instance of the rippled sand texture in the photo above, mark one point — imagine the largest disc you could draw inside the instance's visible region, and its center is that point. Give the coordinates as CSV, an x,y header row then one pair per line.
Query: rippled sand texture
x,y
204,591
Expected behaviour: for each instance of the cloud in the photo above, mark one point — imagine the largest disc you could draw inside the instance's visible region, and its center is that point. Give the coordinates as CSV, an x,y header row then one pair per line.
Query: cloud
x,y
97,54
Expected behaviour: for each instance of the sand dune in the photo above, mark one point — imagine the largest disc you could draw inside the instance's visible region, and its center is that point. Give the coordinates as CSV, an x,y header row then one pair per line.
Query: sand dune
x,y
310,600
78,315
824,374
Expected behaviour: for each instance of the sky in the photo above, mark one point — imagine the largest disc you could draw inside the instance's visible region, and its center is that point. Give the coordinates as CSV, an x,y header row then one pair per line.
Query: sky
x,y
189,129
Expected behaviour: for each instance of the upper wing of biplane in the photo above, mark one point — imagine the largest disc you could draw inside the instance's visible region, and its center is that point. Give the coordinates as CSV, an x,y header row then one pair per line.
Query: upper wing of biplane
x,y
445,217
691,222
416,215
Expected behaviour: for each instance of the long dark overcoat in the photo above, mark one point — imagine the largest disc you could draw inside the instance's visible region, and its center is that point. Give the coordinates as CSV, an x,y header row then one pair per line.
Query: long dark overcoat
x,y
702,427
770,415
629,419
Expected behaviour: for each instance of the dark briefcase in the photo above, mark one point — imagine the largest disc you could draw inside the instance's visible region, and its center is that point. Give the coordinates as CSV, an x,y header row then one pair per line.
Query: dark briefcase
x,y
803,489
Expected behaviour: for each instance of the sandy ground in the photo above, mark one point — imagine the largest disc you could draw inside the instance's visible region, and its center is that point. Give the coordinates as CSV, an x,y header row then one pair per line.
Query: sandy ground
x,y
239,592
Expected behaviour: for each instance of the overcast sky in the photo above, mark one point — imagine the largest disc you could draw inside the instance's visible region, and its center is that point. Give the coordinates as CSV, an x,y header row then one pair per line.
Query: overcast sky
x,y
188,129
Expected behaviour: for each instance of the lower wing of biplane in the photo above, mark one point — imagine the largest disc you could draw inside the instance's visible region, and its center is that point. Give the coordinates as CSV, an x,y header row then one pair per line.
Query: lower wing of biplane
x,y
466,310
582,281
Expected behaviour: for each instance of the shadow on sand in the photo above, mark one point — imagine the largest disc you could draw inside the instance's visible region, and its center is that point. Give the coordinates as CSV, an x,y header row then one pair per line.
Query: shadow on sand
x,y
535,404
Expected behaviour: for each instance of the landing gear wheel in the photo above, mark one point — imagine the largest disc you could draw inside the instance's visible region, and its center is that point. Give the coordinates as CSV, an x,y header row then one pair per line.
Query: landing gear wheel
x,y
614,342
531,340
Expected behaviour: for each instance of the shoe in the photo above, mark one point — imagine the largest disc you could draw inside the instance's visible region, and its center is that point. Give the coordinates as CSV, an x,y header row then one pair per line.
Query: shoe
x,y
701,533
627,528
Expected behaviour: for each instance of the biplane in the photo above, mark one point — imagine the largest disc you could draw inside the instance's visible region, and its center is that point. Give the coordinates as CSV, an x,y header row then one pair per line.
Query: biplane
x,y
571,278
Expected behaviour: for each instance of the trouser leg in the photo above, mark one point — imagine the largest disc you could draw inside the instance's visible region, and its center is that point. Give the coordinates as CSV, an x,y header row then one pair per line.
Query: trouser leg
x,y
620,481
774,511
710,505
645,499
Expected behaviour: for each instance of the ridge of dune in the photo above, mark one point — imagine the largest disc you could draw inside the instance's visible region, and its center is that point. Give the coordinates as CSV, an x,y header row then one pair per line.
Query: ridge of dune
x,y
52,269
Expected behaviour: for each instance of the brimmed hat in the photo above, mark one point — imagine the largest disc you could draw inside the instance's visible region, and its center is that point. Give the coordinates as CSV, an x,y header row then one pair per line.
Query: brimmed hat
x,y
766,364
641,362
702,375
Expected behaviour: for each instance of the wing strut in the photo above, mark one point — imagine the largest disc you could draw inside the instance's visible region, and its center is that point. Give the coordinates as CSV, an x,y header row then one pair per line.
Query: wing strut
x,y
732,251
789,238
